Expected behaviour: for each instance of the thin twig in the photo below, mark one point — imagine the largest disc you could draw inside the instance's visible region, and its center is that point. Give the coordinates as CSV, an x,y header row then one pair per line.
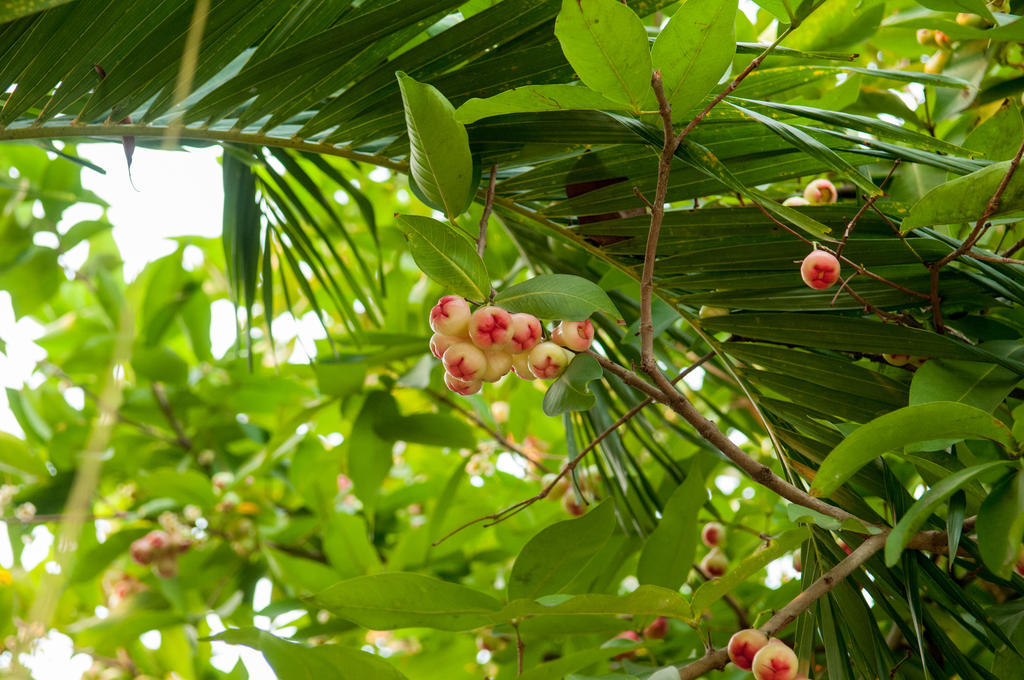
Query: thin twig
x,y
501,515
762,474
867,204
481,241
976,233
783,617
183,439
497,436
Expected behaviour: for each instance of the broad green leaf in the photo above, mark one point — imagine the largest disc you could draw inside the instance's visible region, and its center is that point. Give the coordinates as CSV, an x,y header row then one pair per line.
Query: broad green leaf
x,y
569,392
644,601
983,386
429,429
439,159
999,136
563,667
531,98
184,487
13,9
1000,524
402,600
837,24
667,555
446,256
369,454
347,546
551,558
241,232
964,199
306,575
926,505
813,147
893,431
292,661
693,51
557,296
15,454
713,590
970,6
606,44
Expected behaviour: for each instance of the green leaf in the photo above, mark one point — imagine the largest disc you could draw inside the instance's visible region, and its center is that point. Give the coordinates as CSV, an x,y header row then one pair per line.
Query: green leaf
x,y
15,454
369,454
440,163
983,386
389,601
570,663
557,296
569,392
1000,524
813,147
292,661
430,429
241,232
554,556
305,575
715,589
348,547
693,51
532,98
926,505
182,486
644,601
964,199
667,555
893,431
13,9
606,44
446,256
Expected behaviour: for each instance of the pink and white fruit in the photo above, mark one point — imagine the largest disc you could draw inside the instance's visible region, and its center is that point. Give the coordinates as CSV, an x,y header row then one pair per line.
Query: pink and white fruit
x,y
526,333
521,366
796,202
463,387
440,343
499,363
743,645
820,191
657,629
150,546
548,360
573,506
490,327
798,561
1019,566
166,566
775,661
465,361
574,335
450,316
715,563
712,534
820,269
632,636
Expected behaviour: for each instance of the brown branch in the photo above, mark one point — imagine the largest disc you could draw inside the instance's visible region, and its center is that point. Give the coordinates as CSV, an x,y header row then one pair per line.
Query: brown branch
x,y
762,474
501,515
1014,248
183,439
782,618
860,213
976,233
481,241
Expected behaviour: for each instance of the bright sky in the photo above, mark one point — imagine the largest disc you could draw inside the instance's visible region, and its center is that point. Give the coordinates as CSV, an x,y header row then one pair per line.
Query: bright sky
x,y
175,194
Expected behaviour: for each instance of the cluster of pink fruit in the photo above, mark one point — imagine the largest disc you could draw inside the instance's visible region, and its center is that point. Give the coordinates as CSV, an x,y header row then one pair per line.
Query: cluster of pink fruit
x,y
485,345
715,563
161,549
772,659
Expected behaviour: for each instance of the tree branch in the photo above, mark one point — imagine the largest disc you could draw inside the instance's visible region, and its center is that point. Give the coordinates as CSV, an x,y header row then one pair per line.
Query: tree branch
x,y
481,241
782,618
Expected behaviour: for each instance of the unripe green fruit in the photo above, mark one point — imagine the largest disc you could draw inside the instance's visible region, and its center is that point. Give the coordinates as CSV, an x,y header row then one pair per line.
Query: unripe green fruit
x,y
937,63
926,37
795,202
707,312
